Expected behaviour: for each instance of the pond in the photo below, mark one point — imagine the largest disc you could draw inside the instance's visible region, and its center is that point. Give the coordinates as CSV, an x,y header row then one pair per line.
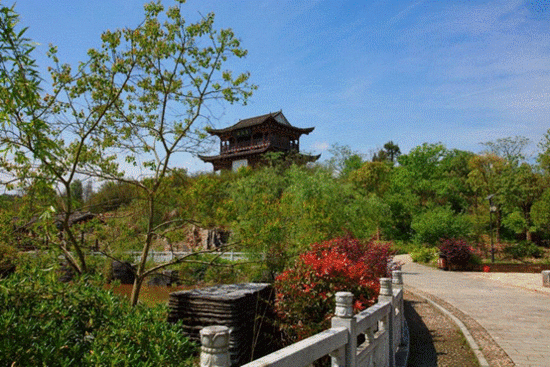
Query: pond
x,y
149,295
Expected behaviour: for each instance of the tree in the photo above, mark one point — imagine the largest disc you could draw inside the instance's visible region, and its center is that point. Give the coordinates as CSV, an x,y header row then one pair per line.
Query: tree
x,y
372,177
544,155
510,148
390,153
521,188
344,160
392,150
39,146
485,179
77,190
453,188
87,191
419,171
439,223
540,211
175,72
142,97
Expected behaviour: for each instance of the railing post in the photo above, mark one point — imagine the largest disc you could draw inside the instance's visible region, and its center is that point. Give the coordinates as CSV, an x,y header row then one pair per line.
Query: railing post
x,y
215,346
386,295
397,279
397,283
343,316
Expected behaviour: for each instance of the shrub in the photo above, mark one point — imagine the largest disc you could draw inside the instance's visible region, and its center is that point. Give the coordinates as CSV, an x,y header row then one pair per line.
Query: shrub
x,y
440,223
8,254
456,251
425,254
524,249
47,323
305,292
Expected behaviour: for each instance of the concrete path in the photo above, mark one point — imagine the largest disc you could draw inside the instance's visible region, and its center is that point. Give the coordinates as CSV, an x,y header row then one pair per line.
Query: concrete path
x,y
517,318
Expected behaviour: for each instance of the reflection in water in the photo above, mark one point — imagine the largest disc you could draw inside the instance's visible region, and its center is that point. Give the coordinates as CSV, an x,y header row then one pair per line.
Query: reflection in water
x,y
149,295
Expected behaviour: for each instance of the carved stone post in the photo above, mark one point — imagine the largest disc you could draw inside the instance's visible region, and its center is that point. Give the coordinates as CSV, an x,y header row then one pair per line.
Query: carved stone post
x,y
397,283
546,278
397,279
215,346
343,316
386,295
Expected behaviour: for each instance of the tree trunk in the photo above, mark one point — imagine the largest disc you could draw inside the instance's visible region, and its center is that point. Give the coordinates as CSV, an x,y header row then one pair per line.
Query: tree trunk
x,y
144,254
136,289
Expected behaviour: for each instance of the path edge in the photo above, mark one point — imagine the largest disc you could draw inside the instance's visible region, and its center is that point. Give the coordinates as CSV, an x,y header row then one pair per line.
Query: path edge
x,y
469,338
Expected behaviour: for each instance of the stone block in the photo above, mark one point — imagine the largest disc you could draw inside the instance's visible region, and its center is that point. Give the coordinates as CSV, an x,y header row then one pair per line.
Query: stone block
x,y
546,278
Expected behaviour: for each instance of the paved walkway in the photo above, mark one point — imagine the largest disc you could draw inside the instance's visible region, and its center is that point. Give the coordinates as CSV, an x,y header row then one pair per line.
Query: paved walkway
x,y
516,313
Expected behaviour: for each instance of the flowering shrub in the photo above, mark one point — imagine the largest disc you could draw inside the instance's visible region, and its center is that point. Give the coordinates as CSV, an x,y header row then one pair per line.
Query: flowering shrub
x,y
305,292
456,251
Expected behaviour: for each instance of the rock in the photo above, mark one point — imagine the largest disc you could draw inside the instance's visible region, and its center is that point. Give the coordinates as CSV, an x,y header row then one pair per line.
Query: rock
x,y
240,307
164,279
123,271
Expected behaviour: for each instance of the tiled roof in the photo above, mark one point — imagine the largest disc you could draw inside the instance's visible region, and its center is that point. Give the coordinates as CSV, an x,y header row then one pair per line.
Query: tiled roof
x,y
233,155
258,120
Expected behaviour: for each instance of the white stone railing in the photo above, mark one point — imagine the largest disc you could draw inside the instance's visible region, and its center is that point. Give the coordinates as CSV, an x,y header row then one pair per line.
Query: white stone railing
x,y
166,256
382,326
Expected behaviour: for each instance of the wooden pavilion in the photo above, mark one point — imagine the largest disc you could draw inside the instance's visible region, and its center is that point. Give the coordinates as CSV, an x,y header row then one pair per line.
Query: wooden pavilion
x,y
246,142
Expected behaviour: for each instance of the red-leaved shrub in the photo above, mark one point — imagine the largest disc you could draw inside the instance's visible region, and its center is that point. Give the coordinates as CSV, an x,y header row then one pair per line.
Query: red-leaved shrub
x,y
457,251
305,293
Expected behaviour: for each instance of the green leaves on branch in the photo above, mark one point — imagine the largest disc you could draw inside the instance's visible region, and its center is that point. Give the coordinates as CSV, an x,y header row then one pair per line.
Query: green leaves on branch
x,y
145,93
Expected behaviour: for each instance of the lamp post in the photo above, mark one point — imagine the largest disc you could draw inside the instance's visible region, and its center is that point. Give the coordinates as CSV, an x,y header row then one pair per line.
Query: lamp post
x,y
492,209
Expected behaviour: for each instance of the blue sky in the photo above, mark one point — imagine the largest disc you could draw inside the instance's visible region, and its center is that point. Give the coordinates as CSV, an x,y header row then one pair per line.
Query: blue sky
x,y
361,72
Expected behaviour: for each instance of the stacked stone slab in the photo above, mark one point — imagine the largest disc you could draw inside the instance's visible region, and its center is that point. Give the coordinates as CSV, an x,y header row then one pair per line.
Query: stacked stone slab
x,y
240,307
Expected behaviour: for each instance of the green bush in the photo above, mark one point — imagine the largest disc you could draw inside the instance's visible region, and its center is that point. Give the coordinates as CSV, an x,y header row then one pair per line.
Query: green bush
x,y
47,323
111,196
8,254
440,223
425,254
523,249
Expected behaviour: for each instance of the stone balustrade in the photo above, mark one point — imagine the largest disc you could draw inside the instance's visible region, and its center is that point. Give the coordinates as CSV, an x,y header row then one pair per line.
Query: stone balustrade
x,y
382,327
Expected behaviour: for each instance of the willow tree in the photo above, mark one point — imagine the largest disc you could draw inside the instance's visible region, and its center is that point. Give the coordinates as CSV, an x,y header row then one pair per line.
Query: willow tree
x,y
141,98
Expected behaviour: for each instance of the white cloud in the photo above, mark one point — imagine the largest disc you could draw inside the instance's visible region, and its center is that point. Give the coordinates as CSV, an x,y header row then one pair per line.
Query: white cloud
x,y
320,146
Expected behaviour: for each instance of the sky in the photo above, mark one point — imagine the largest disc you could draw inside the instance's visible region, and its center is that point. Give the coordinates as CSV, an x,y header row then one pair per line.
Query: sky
x,y
361,72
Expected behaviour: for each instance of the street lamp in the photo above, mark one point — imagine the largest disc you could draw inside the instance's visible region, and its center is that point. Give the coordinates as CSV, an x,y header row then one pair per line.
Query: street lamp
x,y
492,209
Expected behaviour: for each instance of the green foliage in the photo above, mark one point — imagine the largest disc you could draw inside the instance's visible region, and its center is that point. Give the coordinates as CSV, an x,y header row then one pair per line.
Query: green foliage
x,y
425,254
48,323
209,269
142,97
77,190
280,211
389,154
544,155
509,148
8,255
540,211
372,177
523,250
439,223
515,222
344,160
111,196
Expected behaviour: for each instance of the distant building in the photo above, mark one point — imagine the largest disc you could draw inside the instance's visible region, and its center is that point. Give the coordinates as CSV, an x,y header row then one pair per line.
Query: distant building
x,y
245,143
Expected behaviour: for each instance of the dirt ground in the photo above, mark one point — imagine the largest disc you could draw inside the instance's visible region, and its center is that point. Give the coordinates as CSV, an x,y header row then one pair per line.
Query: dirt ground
x,y
434,338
